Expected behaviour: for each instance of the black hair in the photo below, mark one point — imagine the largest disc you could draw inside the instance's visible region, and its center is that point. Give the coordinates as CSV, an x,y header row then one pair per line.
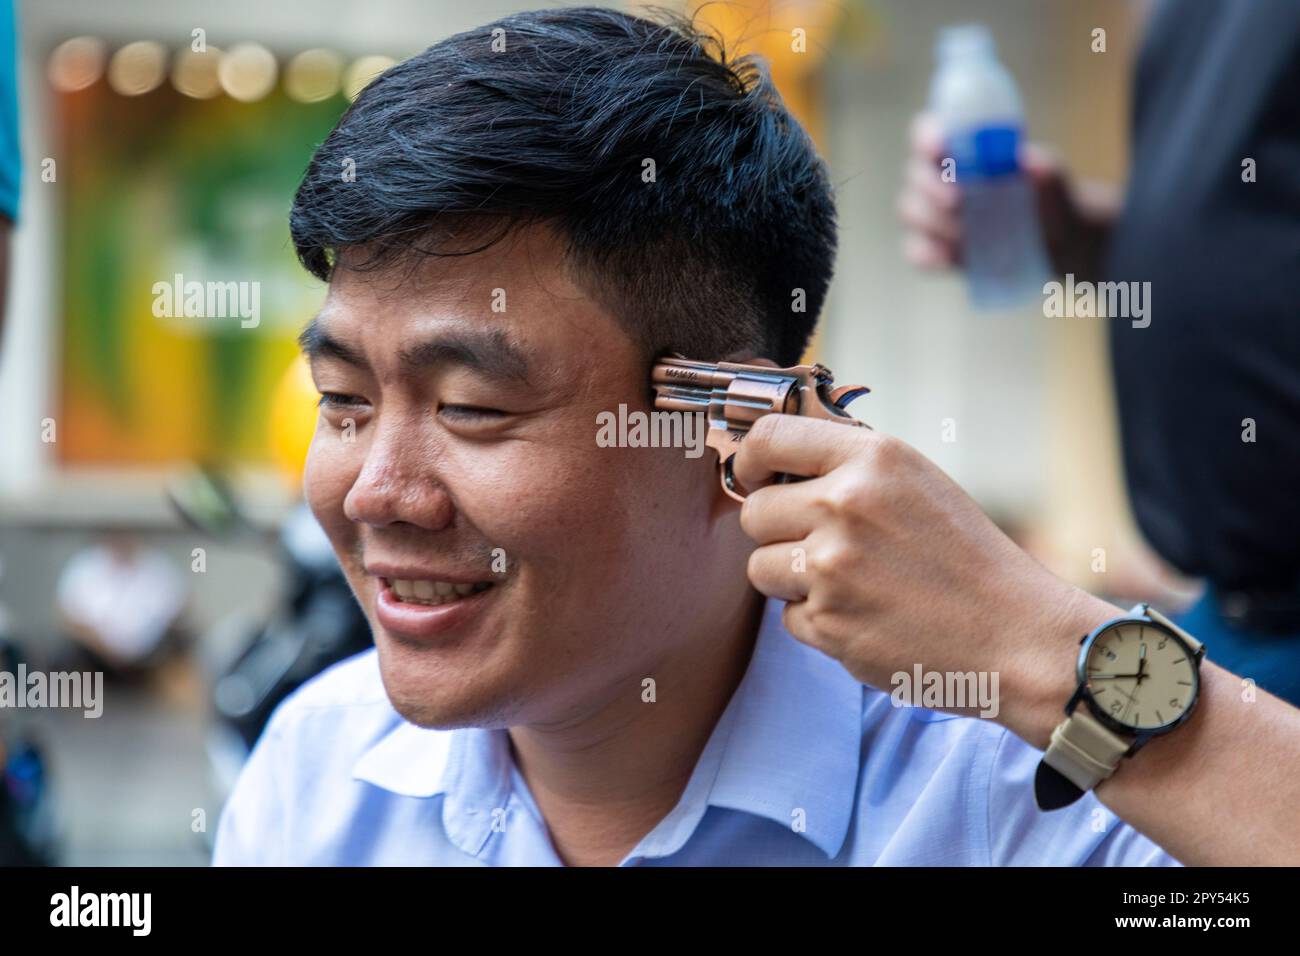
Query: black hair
x,y
707,259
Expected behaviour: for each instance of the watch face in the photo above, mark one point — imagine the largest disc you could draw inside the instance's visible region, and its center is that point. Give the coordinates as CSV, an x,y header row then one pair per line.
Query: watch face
x,y
1140,676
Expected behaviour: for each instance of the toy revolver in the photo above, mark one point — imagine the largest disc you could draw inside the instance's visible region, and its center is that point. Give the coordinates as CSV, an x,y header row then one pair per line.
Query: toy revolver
x,y
733,397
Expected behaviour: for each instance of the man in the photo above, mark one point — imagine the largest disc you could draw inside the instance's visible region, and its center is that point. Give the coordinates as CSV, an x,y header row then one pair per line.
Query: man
x,y
571,666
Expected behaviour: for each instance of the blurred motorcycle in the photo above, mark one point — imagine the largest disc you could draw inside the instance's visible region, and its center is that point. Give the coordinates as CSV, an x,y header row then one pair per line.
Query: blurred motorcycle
x,y
318,623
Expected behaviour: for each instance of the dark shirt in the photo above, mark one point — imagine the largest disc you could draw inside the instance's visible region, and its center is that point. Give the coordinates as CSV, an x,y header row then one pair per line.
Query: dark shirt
x,y
1217,83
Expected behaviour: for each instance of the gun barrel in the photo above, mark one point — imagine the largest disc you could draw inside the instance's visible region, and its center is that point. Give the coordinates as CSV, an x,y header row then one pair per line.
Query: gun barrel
x,y
673,398
671,371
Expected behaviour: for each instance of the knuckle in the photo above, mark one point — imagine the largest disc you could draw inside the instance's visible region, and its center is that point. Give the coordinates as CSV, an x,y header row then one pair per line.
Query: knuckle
x,y
853,490
802,621
840,494
816,623
824,506
827,559
888,452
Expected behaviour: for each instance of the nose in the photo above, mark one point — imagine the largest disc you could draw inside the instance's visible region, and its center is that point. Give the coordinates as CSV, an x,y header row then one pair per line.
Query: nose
x,y
398,484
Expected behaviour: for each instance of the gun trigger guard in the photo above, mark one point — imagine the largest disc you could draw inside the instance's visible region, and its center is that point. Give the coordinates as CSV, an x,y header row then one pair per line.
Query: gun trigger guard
x,y
729,479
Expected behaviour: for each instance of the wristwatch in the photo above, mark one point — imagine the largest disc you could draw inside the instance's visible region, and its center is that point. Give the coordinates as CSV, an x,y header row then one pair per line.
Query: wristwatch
x,y
1139,677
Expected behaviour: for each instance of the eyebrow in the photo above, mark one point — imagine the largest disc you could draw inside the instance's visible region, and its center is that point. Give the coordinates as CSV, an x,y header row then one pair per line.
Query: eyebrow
x,y
484,351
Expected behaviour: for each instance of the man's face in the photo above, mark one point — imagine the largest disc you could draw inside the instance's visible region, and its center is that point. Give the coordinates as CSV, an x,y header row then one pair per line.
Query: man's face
x,y
457,444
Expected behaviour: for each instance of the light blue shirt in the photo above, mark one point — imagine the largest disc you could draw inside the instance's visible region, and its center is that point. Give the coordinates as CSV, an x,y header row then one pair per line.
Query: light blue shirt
x,y
806,767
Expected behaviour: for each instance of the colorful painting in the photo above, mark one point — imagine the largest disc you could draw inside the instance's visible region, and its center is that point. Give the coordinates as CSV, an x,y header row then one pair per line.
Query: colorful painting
x,y
162,193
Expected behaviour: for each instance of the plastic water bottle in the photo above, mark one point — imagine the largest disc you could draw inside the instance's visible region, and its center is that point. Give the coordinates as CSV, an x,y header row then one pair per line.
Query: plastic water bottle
x,y
979,108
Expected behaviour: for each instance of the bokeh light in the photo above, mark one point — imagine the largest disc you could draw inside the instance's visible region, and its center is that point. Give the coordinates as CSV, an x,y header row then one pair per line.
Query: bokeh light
x,y
137,68
195,74
77,63
313,75
247,72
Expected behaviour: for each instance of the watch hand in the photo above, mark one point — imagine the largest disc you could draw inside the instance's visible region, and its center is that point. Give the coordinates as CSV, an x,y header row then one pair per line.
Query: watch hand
x,y
1123,719
1125,693
1112,676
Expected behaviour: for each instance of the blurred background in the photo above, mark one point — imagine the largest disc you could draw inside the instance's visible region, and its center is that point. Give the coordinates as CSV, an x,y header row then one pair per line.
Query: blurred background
x,y
145,455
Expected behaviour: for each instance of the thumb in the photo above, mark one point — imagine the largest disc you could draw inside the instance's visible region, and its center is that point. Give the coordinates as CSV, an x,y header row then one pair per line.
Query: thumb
x,y
1043,166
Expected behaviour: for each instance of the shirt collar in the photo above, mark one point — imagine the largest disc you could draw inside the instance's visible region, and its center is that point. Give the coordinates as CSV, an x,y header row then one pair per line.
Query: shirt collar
x,y
786,748
470,765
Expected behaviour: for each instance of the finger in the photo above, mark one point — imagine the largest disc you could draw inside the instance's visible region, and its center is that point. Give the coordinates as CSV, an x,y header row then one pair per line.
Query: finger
x,y
930,253
795,620
1040,162
926,136
778,570
795,445
919,213
927,180
779,512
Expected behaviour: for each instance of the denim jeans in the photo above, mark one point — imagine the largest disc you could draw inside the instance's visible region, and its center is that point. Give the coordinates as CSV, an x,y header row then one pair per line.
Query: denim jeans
x,y
1271,660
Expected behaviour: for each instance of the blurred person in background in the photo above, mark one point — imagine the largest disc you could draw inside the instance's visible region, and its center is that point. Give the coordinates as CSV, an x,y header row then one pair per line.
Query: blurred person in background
x,y
122,604
1209,393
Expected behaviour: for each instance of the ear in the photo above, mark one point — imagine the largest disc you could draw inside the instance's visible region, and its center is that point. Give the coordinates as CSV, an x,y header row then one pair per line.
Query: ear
x,y
747,357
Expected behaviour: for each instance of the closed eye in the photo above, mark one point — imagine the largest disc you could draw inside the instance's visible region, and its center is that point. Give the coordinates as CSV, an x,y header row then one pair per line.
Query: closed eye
x,y
338,400
471,411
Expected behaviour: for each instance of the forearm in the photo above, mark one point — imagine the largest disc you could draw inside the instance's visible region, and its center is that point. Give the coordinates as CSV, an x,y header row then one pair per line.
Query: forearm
x,y
1078,244
1223,789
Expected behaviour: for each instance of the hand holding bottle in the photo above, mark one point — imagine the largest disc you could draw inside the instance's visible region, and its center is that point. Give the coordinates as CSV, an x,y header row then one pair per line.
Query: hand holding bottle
x,y
1075,216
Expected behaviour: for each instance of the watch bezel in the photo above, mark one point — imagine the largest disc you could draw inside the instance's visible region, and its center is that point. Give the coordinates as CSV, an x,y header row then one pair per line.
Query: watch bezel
x,y
1083,693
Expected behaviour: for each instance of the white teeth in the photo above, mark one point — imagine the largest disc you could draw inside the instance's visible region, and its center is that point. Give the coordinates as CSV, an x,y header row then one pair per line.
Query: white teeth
x,y
423,591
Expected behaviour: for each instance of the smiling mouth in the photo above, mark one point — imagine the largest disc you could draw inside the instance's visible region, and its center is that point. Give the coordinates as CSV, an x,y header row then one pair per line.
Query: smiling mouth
x,y
432,593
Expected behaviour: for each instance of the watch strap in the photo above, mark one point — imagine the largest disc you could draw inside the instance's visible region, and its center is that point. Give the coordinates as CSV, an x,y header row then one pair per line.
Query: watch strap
x,y
1083,751
1051,790
1152,614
